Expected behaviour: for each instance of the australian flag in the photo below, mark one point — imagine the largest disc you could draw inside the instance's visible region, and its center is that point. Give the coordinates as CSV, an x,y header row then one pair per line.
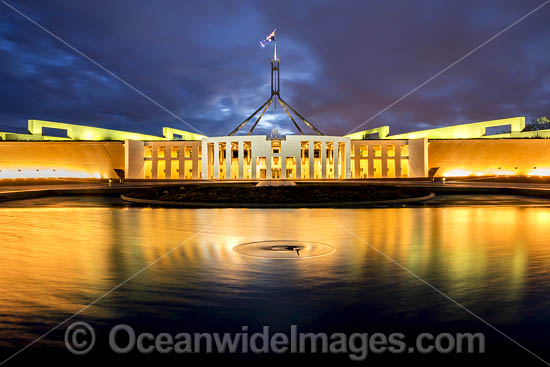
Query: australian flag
x,y
268,39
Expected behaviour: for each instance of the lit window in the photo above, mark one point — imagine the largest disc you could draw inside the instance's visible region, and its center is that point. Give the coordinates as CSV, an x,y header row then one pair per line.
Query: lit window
x,y
175,151
377,150
404,168
405,150
148,168
162,152
148,151
391,150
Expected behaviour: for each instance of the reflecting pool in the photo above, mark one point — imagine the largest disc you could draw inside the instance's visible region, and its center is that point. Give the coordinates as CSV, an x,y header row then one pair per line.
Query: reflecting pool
x,y
492,259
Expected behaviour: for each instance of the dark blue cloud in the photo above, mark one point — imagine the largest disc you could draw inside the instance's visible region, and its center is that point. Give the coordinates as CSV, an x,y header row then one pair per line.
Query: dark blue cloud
x,y
341,63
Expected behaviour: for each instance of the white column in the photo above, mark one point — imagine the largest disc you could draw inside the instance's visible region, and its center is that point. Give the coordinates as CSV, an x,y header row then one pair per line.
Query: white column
x,y
154,161
134,158
335,159
324,159
268,163
241,159
398,159
384,160
227,159
253,159
181,150
418,157
311,160
204,159
216,160
347,157
298,155
168,162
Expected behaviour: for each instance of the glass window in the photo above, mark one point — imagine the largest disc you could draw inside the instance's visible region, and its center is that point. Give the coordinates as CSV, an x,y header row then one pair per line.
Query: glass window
x,y
377,150
161,170
390,149
364,151
305,150
175,169
363,169
404,168
261,167
188,170
390,173
405,150
162,152
377,169
148,167
148,153
175,151
188,152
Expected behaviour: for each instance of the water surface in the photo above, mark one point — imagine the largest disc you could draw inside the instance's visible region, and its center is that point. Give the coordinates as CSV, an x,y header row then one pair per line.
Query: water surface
x,y
58,255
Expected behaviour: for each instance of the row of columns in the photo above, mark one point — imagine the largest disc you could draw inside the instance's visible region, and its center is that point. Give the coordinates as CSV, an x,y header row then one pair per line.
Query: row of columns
x,y
383,157
262,148
168,159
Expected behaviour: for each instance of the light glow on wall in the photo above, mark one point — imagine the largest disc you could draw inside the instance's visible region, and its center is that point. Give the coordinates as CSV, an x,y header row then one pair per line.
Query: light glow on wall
x,y
14,173
458,173
504,172
539,172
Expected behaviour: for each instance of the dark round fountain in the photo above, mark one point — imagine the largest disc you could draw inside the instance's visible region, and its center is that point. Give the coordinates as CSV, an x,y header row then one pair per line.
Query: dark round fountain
x,y
284,249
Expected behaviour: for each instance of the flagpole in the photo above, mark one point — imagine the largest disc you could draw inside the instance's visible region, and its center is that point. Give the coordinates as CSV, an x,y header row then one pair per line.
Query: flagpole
x,y
275,63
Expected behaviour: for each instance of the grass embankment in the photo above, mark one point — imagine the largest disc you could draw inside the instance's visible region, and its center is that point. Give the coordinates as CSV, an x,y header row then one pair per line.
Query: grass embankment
x,y
301,193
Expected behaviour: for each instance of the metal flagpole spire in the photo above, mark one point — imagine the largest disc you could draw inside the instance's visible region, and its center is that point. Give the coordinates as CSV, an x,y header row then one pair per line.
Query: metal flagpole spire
x,y
275,95
275,52
275,61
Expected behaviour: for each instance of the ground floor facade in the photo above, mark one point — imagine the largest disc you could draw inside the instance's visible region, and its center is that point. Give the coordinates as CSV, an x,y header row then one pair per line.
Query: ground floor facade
x,y
453,151
294,157
178,155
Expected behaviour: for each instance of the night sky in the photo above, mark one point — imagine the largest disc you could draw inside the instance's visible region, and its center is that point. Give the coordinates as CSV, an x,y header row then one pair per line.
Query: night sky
x,y
341,63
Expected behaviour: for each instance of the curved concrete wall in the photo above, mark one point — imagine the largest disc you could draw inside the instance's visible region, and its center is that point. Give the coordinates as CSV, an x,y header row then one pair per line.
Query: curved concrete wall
x,y
61,159
489,157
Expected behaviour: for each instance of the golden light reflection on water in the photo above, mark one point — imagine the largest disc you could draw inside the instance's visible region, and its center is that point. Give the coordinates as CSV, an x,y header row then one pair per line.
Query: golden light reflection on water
x,y
56,260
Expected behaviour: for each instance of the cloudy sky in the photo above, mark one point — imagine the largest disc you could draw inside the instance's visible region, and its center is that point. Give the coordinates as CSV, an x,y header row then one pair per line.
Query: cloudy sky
x,y
341,62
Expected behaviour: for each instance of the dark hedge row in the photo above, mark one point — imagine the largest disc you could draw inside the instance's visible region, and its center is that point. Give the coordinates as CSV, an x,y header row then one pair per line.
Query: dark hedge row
x,y
301,193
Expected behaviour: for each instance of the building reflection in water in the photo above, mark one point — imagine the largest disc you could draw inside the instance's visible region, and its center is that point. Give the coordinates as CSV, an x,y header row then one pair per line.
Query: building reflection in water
x,y
53,261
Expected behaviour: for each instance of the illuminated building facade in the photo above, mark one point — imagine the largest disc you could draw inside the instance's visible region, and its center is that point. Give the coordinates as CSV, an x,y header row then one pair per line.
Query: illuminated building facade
x,y
296,157
263,157
454,151
91,152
